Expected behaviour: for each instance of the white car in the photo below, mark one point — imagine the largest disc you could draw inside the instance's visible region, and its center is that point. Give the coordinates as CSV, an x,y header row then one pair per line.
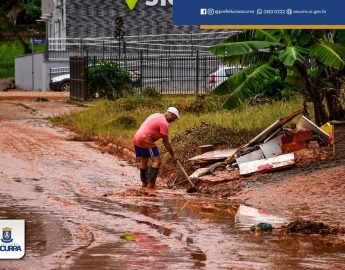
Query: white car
x,y
60,83
63,82
221,74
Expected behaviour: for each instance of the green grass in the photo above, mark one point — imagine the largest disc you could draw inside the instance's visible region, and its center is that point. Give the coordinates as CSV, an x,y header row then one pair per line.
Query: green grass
x,y
8,52
101,118
202,122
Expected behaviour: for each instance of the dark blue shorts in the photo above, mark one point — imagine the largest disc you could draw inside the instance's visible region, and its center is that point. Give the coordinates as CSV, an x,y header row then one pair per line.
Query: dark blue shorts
x,y
146,152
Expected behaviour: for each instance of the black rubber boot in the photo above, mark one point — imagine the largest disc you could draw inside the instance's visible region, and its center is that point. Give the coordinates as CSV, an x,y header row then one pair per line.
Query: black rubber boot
x,y
152,176
143,177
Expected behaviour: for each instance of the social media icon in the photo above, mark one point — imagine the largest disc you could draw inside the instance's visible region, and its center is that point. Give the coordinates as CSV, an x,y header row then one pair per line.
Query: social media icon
x,y
203,11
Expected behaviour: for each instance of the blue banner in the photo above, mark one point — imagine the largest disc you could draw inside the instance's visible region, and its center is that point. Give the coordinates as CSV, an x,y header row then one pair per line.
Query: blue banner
x,y
264,12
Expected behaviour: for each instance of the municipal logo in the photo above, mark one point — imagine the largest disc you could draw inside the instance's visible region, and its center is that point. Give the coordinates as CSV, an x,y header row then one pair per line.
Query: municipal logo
x,y
12,241
131,3
6,235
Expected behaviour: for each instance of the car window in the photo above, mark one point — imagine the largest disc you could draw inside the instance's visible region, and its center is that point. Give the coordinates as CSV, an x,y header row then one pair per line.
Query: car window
x,y
229,72
232,71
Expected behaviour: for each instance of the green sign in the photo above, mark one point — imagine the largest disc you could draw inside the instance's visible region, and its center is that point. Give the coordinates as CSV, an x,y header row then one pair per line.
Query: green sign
x,y
131,3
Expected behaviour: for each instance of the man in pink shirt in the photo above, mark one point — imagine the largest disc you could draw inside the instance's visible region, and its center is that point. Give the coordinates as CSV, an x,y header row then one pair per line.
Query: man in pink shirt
x,y
156,126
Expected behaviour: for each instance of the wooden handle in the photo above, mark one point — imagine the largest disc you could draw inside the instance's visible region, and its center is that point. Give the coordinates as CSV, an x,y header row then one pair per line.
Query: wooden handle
x,y
187,176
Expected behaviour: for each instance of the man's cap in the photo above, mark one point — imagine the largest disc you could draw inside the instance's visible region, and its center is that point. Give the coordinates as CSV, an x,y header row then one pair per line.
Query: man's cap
x,y
174,111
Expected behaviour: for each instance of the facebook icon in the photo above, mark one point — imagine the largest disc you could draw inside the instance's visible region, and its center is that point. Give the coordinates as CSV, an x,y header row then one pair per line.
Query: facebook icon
x,y
203,11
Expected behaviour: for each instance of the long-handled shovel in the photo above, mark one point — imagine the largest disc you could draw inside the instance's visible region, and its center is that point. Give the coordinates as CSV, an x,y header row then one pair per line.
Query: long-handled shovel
x,y
193,188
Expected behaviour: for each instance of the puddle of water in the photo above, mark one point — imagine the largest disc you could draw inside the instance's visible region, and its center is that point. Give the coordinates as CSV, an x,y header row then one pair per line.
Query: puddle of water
x,y
40,241
201,236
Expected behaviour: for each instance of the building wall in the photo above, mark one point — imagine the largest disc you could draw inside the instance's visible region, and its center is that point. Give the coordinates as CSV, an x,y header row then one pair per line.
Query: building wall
x,y
41,68
94,18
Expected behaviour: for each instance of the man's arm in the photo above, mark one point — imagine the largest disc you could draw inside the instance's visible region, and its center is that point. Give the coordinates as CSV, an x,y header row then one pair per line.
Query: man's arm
x,y
168,146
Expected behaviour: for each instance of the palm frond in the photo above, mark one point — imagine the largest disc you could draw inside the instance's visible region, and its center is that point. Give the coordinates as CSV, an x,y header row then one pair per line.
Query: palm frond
x,y
268,35
243,47
247,59
244,84
292,54
329,54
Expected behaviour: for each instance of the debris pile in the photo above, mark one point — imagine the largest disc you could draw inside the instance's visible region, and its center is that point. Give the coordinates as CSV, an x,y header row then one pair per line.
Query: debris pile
x,y
276,148
310,227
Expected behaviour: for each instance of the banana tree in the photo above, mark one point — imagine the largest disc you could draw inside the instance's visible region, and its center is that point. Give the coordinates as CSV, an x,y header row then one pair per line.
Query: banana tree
x,y
268,53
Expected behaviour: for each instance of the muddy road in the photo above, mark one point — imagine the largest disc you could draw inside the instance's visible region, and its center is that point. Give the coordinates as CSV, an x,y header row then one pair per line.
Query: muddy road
x,y
84,210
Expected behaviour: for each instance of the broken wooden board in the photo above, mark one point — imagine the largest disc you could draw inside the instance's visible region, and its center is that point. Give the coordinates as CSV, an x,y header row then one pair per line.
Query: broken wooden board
x,y
220,177
199,172
268,133
216,155
273,147
272,129
305,123
251,156
270,164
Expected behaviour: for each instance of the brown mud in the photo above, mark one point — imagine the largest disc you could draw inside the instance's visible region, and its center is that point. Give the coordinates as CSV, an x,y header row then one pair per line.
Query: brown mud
x,y
84,208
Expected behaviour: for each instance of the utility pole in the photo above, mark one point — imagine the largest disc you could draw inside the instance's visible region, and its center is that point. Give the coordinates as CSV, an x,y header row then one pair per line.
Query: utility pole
x,y
119,32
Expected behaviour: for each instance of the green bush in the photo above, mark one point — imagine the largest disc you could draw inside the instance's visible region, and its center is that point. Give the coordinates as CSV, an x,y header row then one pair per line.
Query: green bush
x,y
126,122
151,92
109,80
122,122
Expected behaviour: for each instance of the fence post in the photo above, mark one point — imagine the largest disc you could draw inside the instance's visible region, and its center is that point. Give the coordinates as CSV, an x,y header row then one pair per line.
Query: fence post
x,y
197,72
161,74
124,47
81,47
141,71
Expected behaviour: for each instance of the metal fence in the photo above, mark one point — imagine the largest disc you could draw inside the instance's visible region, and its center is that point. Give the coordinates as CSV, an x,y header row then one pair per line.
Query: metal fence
x,y
61,49
57,71
190,74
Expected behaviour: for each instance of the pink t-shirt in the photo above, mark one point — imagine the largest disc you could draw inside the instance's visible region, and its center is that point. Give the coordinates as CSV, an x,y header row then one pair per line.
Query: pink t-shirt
x,y
153,128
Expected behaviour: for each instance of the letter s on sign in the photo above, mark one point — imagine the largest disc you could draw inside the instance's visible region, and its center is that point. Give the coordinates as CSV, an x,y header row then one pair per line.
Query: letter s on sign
x,y
152,3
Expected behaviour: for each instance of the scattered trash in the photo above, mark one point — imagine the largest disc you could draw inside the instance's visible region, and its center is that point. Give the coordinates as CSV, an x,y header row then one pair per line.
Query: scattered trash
x,y
200,172
219,166
246,216
305,123
296,140
313,145
311,227
249,154
274,148
327,128
270,164
217,155
128,237
261,227
205,148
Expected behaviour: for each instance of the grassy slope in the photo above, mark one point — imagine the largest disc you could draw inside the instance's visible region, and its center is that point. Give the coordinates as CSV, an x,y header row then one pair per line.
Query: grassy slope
x,y
102,118
117,121
8,52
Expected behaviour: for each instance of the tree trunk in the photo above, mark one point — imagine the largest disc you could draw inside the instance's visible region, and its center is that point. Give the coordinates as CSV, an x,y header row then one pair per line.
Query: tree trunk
x,y
314,94
335,108
321,116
